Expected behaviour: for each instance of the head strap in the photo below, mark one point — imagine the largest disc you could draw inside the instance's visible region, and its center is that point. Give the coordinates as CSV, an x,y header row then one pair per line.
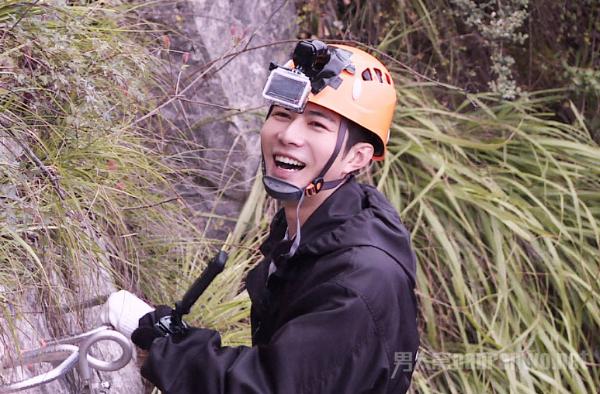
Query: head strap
x,y
319,183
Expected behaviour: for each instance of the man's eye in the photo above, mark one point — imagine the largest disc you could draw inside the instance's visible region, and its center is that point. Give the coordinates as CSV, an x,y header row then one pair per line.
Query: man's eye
x,y
317,125
281,114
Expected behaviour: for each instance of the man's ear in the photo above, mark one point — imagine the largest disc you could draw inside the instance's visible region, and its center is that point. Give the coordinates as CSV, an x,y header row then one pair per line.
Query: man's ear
x,y
358,157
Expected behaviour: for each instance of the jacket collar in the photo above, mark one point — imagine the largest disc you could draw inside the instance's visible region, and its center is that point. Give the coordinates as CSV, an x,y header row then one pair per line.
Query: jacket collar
x,y
345,200
354,215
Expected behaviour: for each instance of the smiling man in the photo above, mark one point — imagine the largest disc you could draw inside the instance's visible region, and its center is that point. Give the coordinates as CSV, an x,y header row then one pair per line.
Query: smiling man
x,y
296,147
333,303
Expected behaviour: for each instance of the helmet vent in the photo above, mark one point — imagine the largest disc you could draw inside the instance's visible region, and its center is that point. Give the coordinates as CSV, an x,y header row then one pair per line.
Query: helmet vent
x,y
379,75
367,75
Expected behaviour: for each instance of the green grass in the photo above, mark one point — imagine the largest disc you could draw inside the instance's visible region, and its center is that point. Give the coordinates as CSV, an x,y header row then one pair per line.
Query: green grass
x,y
87,196
502,202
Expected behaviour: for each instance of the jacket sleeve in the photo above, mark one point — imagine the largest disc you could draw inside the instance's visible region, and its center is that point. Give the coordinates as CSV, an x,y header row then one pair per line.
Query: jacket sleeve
x,y
328,344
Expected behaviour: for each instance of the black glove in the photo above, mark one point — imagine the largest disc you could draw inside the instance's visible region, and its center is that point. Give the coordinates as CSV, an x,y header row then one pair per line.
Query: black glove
x,y
147,332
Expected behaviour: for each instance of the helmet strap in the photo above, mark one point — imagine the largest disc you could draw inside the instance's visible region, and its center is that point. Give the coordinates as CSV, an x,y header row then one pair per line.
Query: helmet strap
x,y
296,242
319,183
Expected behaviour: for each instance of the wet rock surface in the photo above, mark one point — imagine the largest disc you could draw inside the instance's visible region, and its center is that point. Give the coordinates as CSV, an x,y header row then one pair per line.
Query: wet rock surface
x,y
216,122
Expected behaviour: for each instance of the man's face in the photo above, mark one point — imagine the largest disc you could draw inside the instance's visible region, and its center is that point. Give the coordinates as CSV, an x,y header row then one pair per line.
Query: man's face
x,y
296,146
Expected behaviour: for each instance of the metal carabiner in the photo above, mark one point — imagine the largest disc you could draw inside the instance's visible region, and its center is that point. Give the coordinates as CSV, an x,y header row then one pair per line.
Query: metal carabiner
x,y
87,361
69,355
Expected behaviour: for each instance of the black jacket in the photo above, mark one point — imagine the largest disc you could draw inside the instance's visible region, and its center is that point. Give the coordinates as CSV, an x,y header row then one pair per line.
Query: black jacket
x,y
338,317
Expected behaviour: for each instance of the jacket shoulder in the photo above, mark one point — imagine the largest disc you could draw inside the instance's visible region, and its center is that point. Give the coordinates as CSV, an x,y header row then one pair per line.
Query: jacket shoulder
x,y
374,272
387,291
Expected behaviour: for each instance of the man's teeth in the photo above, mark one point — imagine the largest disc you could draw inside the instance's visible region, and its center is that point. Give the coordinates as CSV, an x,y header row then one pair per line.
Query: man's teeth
x,y
289,161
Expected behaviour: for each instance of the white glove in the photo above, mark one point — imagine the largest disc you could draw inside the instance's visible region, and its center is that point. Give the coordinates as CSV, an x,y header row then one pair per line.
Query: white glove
x,y
123,311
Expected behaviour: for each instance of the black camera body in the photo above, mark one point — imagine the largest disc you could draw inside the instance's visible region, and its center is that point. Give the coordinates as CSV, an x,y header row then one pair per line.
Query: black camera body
x,y
167,326
310,57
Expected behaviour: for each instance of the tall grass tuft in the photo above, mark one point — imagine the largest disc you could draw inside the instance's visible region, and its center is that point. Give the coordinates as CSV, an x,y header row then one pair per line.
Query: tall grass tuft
x,y
503,205
86,197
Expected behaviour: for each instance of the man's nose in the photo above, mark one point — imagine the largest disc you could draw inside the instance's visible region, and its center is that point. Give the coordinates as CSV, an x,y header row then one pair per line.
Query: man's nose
x,y
293,133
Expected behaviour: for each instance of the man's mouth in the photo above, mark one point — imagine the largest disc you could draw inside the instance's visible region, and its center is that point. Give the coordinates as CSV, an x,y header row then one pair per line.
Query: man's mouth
x,y
288,163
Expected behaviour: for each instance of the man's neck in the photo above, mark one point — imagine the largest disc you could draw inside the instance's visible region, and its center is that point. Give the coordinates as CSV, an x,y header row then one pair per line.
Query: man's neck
x,y
308,207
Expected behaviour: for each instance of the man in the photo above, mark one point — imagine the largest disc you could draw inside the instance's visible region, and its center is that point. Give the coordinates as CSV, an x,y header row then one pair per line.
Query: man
x,y
333,303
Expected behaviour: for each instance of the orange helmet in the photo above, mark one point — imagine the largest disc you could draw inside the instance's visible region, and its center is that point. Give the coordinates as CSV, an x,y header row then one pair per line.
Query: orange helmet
x,y
341,78
366,96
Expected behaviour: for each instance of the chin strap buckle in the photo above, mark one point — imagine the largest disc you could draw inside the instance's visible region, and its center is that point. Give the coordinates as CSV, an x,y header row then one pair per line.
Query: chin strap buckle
x,y
314,187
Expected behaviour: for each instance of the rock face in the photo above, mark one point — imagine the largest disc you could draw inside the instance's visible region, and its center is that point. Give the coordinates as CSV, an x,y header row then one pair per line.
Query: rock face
x,y
218,120
213,130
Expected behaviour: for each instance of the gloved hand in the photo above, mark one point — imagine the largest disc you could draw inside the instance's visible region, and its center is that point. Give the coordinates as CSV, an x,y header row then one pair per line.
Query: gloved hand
x,y
147,332
123,311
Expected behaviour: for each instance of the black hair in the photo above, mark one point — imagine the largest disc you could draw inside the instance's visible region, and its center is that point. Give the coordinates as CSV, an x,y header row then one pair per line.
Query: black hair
x,y
357,133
